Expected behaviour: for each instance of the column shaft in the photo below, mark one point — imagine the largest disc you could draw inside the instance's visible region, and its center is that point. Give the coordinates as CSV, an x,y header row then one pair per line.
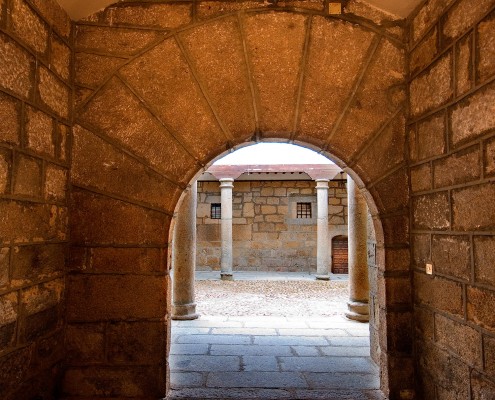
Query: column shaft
x,y
358,257
322,252
184,257
226,260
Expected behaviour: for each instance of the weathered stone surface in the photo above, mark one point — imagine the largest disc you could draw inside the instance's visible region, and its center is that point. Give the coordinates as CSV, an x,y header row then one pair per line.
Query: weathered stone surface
x,y
473,116
14,368
118,382
431,211
21,222
432,88
118,260
460,339
464,66
393,191
396,229
489,158
98,164
136,342
479,307
380,95
427,16
63,132
447,372
106,297
451,255
332,44
486,48
461,167
27,176
10,117
148,73
29,27
388,147
17,72
40,324
40,297
489,353
481,387
5,168
484,259
39,131
463,15
420,244
60,57
439,293
100,219
467,204
207,9
9,308
283,52
430,137
4,266
85,342
117,113
53,93
51,10
34,263
114,41
217,54
55,183
425,52
364,10
423,323
164,16
421,178
92,69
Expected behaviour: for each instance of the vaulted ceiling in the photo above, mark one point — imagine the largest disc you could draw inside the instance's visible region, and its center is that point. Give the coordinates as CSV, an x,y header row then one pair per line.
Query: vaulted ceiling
x,y
78,9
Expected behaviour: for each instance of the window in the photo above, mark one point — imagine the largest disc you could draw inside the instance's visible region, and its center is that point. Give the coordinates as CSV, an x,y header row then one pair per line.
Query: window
x,y
216,211
303,210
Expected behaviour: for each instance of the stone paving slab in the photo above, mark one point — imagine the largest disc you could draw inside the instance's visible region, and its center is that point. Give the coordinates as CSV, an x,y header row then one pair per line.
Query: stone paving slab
x,y
345,351
213,339
342,380
248,379
291,340
181,348
260,363
250,350
202,363
326,364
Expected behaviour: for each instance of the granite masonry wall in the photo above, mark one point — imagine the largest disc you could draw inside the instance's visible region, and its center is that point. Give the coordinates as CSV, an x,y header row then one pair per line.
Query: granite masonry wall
x,y
164,88
451,133
35,129
266,234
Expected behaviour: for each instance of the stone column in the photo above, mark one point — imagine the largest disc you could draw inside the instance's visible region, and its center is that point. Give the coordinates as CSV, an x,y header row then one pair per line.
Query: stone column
x,y
184,258
358,257
226,185
322,251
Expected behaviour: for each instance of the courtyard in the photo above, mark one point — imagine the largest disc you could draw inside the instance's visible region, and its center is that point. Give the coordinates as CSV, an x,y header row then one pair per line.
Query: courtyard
x,y
277,337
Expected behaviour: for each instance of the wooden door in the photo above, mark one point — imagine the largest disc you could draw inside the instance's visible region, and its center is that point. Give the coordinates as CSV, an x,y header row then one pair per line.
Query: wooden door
x,y
339,255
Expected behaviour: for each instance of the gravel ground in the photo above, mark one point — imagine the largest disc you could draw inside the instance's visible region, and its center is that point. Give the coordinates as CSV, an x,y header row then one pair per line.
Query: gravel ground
x,y
272,298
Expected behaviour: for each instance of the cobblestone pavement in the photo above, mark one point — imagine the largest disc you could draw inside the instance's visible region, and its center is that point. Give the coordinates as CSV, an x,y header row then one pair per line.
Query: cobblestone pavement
x,y
272,340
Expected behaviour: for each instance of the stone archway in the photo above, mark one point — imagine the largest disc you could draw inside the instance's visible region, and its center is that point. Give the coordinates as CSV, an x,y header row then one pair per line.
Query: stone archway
x,y
169,102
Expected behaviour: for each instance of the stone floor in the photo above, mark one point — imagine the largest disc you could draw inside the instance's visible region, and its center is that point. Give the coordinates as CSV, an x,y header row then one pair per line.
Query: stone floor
x,y
272,357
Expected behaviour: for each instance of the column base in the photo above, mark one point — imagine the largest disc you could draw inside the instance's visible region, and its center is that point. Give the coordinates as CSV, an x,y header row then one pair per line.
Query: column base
x,y
226,277
184,312
358,311
323,277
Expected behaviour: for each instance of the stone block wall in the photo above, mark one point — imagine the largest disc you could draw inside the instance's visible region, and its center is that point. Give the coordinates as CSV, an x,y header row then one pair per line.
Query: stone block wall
x,y
451,133
266,235
36,47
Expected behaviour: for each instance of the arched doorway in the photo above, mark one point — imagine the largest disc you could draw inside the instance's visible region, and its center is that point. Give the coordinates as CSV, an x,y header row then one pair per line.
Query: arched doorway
x,y
177,99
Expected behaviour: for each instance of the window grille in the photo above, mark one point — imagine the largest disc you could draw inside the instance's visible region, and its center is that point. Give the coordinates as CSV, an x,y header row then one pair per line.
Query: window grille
x,y
216,211
303,210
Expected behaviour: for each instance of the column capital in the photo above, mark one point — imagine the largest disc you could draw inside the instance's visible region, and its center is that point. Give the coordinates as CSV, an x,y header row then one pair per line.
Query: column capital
x,y
322,183
226,183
